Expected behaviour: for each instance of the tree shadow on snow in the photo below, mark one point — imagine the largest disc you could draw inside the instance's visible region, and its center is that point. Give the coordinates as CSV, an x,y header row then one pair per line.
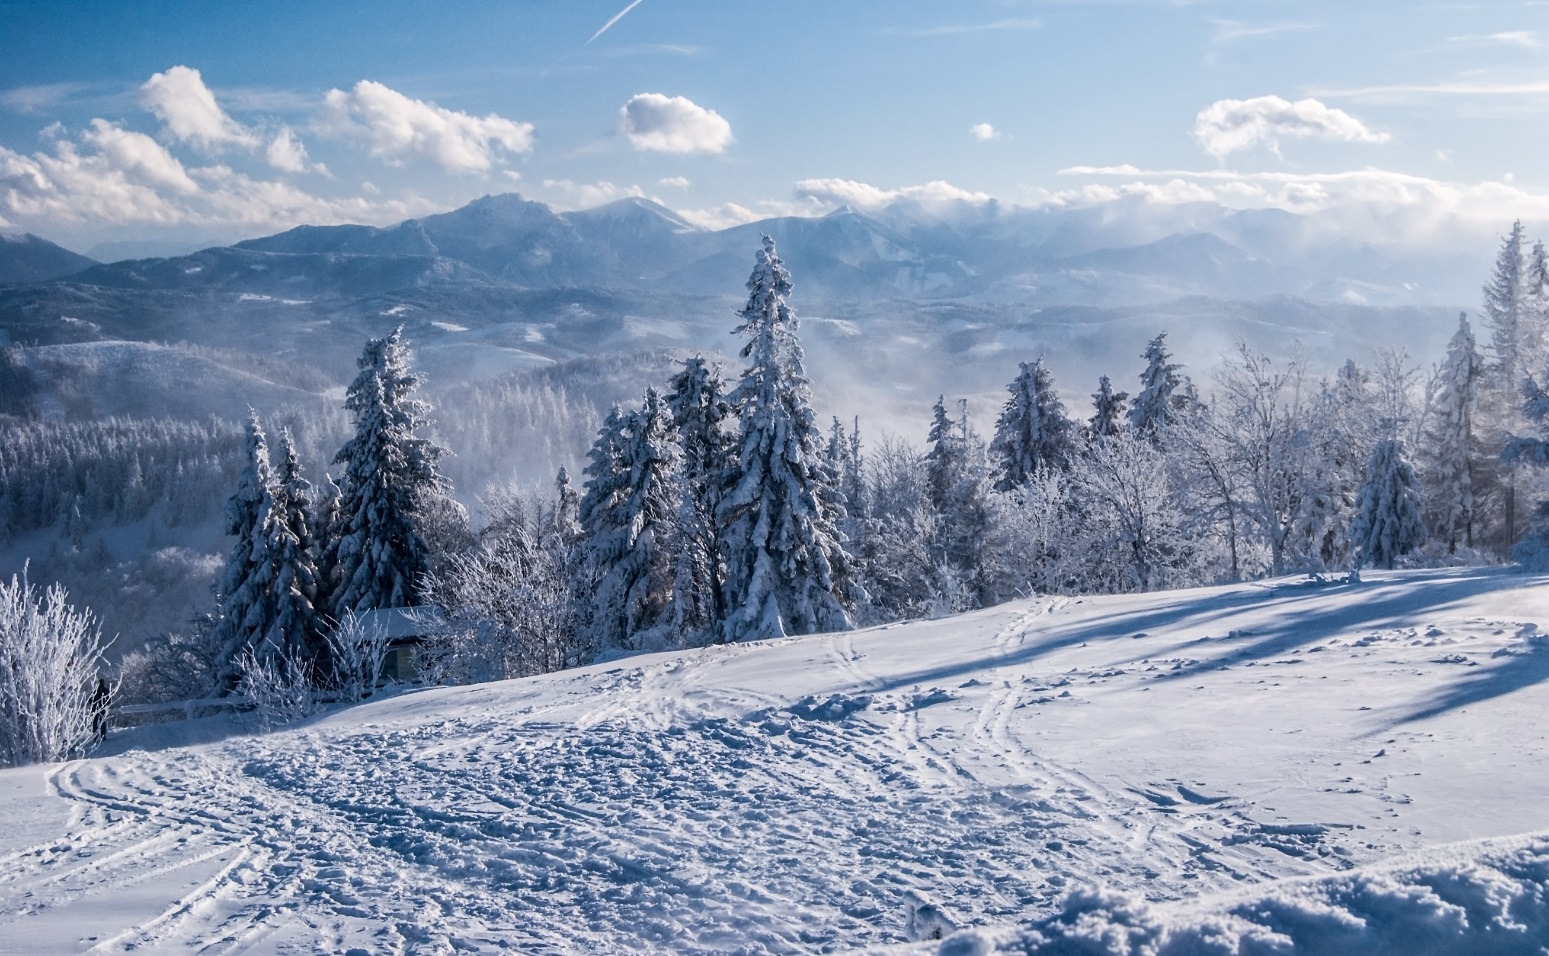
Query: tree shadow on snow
x,y
1507,675
1384,604
1305,621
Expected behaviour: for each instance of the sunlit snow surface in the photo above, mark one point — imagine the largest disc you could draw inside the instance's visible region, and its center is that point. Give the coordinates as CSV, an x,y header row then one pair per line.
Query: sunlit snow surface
x,y
858,790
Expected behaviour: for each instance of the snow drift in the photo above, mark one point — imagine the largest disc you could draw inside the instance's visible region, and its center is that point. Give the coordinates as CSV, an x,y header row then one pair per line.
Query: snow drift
x,y
1482,900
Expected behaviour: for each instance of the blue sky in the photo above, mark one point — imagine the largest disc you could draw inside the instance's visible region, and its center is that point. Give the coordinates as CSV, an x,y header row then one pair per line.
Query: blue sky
x,y
199,120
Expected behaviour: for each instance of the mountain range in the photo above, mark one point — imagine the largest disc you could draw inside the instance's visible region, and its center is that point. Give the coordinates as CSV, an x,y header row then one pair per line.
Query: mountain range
x,y
899,303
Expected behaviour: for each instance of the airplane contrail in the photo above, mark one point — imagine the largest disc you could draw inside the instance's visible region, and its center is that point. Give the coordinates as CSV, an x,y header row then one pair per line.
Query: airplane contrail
x,y
616,18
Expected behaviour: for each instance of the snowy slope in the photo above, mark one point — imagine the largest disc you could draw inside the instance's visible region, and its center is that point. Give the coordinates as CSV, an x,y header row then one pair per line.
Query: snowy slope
x,y
844,791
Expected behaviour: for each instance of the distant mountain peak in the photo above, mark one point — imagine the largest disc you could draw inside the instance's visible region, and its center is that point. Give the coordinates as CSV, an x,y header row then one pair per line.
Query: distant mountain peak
x,y
25,257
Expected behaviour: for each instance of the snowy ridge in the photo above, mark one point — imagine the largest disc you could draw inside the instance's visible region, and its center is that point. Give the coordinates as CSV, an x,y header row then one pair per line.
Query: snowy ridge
x,y
855,790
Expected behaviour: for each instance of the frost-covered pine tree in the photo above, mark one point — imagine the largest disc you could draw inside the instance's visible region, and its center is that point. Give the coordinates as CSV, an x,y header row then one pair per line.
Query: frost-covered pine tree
x,y
628,519
1505,301
567,506
1163,392
1387,521
700,417
1535,311
1033,432
958,487
245,608
1337,438
1450,471
944,461
1533,550
298,627
1107,411
785,568
378,553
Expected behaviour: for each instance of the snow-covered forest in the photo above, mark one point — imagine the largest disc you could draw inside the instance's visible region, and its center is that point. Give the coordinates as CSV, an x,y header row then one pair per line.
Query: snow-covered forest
x,y
718,507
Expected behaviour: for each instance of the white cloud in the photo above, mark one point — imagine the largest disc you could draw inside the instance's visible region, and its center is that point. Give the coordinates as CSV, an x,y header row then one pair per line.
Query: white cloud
x,y
138,158
675,182
658,123
720,217
848,192
984,132
288,154
1407,91
1227,126
396,126
108,176
565,194
1351,193
43,98
188,110
1230,31
1520,38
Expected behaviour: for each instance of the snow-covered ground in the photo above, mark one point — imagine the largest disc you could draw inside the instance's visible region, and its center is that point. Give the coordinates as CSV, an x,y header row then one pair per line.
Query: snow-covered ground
x,y
1186,772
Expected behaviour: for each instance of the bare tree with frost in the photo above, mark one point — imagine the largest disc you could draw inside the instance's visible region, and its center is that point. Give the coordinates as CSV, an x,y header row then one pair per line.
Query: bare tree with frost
x,y
49,657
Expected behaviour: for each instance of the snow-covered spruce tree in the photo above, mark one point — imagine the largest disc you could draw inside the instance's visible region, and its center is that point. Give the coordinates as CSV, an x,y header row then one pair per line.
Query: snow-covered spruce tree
x,y
1163,394
948,452
1107,411
604,487
700,417
957,472
1509,316
1449,466
1033,432
1387,522
628,519
1338,441
847,462
49,657
1533,550
785,568
567,507
298,626
1505,307
245,609
378,555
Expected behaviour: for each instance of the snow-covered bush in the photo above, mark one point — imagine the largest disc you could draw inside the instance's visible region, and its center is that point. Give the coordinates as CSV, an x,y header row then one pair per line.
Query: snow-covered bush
x,y
506,604
357,652
49,656
278,687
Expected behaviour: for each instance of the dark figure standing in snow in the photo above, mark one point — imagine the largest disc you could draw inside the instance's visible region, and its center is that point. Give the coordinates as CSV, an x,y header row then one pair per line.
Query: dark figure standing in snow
x,y
101,698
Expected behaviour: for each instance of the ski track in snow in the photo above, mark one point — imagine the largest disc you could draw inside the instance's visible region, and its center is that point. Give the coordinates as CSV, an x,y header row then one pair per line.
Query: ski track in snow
x,y
801,795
